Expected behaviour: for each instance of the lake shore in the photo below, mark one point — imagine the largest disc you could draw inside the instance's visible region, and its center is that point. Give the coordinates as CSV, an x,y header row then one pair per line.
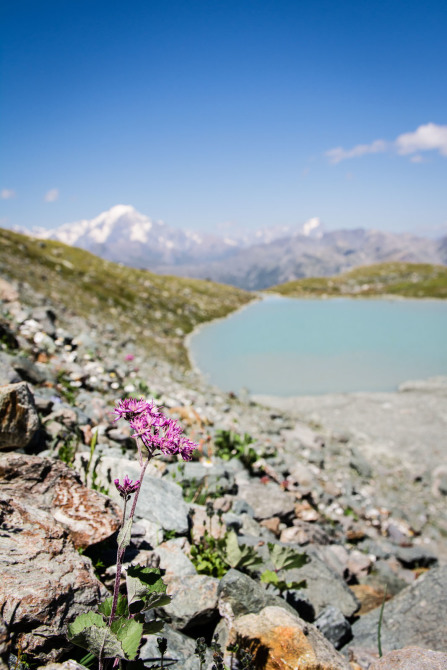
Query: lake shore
x,y
409,423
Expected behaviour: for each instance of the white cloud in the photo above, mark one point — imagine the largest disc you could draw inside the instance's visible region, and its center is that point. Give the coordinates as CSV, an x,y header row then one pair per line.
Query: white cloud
x,y
417,159
7,194
340,154
429,137
51,195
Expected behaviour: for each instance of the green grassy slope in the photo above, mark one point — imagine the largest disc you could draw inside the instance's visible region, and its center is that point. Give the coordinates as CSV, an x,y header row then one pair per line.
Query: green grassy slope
x,y
159,310
409,280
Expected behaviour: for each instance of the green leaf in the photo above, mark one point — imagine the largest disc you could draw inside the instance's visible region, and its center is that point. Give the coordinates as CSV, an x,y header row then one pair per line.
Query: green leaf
x,y
240,556
286,558
152,627
269,577
121,607
121,640
128,632
297,585
124,534
90,632
145,588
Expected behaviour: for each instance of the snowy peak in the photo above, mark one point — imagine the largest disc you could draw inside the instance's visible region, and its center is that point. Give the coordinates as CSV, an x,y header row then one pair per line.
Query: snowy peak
x,y
313,228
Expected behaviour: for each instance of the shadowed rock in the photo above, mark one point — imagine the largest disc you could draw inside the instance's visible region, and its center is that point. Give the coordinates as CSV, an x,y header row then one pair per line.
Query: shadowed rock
x,y
18,416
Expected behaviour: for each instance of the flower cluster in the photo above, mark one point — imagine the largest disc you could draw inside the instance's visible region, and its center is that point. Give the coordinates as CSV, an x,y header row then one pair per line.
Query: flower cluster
x,y
127,487
156,431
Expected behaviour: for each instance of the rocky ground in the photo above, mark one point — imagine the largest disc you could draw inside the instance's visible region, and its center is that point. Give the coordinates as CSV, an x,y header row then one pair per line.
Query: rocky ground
x,y
371,522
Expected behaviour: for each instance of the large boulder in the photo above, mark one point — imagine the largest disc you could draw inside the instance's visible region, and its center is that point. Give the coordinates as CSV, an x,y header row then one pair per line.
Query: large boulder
x,y
279,640
53,487
45,582
18,416
416,616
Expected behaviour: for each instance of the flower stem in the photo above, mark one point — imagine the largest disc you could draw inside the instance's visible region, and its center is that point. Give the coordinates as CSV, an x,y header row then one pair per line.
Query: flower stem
x,y
120,552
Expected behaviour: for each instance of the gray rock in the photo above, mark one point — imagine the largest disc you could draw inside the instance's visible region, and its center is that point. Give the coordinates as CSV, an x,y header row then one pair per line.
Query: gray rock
x,y
359,463
45,582
415,557
416,616
324,587
334,626
411,658
386,574
7,373
267,500
239,594
194,601
19,420
29,371
216,479
242,507
47,319
232,521
160,501
173,558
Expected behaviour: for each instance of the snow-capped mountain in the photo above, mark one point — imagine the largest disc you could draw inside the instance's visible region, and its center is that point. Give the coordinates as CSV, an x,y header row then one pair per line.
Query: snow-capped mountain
x,y
123,234
252,260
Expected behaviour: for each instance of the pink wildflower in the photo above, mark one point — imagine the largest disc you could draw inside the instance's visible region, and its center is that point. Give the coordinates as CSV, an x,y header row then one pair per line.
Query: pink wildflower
x,y
156,431
127,487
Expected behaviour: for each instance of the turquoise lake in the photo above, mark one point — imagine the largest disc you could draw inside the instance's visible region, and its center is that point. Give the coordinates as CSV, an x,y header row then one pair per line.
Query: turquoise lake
x,y
284,346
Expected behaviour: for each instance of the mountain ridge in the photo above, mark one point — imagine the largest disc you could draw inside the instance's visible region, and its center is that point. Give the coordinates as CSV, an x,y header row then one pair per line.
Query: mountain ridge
x,y
249,260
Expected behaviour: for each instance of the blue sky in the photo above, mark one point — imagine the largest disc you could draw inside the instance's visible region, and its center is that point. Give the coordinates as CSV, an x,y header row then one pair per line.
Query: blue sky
x,y
244,112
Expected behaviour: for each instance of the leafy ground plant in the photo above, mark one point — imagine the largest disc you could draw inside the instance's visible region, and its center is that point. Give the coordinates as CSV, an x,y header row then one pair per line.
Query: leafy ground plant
x,y
115,630
283,559
232,445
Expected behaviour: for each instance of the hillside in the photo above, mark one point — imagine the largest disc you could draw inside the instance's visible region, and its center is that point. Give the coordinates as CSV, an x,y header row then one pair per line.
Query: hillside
x,y
159,310
409,280
253,260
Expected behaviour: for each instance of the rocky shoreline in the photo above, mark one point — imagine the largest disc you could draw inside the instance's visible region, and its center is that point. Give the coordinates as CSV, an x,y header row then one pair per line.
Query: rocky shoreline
x,y
370,518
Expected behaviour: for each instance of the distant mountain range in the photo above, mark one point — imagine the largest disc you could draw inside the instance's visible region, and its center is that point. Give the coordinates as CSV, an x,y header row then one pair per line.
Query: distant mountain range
x,y
253,261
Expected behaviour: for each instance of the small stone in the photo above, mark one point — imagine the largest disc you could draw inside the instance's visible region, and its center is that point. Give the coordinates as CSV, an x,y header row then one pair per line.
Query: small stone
x,y
334,626
304,533
305,512
272,524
